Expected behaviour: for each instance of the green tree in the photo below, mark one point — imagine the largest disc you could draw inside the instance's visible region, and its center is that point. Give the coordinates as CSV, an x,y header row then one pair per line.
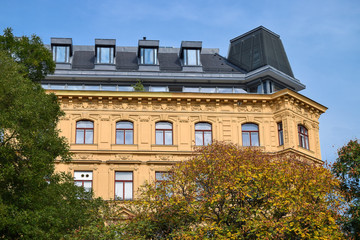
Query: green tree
x,y
35,203
230,192
138,86
347,169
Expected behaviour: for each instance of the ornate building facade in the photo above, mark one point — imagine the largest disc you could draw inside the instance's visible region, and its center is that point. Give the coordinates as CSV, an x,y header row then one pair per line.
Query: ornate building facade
x,y
192,96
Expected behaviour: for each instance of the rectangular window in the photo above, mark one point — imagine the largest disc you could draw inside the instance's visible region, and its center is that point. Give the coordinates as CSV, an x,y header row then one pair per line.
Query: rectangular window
x,y
105,55
61,54
83,179
192,57
281,134
123,185
148,56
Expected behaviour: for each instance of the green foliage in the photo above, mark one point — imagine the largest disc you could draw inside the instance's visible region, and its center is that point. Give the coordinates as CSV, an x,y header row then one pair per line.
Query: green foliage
x,y
35,203
138,86
231,192
347,169
28,52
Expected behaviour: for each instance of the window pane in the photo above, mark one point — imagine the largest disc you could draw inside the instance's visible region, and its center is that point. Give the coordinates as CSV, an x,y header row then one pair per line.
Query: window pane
x,y
159,137
57,86
255,139
246,139
207,138
74,87
191,57
85,124
191,89
89,136
80,136
149,56
225,90
124,124
120,137
87,186
92,87
125,88
250,127
104,55
199,138
61,54
281,138
129,137
158,89
108,87
123,176
119,190
203,126
168,137
163,125
161,176
208,90
128,190
78,183
239,90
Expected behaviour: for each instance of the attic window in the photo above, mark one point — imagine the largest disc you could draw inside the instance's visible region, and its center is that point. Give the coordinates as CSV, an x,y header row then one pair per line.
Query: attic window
x,y
148,56
191,57
105,55
61,54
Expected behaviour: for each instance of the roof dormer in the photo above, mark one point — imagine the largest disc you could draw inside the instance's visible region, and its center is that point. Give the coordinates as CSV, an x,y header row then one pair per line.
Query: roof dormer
x,y
62,51
148,55
105,50
190,56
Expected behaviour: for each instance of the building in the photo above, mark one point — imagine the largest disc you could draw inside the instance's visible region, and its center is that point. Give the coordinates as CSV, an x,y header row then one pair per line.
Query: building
x,y
121,138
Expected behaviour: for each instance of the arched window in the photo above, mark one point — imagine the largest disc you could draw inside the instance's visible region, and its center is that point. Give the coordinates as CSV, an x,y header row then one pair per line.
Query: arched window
x,y
124,132
164,133
84,132
203,134
303,137
250,134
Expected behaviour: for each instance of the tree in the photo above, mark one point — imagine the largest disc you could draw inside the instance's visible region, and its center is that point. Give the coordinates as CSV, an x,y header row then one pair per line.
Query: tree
x,y
230,192
347,169
35,203
138,86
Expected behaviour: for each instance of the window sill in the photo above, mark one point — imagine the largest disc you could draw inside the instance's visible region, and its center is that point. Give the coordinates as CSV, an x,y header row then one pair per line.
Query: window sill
x,y
105,66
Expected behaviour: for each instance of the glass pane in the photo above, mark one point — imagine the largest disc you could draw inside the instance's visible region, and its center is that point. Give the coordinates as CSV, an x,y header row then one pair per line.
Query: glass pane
x,y
159,137
245,139
163,125
85,124
80,136
239,90
89,136
78,183
203,126
119,136
158,89
281,138
198,138
87,186
74,87
161,176
255,139
124,124
306,142
225,90
168,137
208,90
92,87
60,54
119,190
191,89
149,56
125,88
123,176
57,86
129,137
207,138
45,86
104,55
250,127
191,57
108,87
128,190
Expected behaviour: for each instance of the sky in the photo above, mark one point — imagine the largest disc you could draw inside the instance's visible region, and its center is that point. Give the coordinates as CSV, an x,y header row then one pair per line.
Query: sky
x,y
321,39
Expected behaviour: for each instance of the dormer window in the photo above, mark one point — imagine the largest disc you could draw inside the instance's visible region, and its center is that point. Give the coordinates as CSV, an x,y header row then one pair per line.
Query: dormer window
x,y
191,57
61,49
148,56
148,52
105,51
105,55
190,53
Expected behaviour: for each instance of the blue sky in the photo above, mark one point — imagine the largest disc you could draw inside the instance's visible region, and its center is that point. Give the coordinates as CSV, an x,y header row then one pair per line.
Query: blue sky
x,y
321,38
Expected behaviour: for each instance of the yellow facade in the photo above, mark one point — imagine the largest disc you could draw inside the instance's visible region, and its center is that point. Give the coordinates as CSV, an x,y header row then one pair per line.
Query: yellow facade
x,y
225,112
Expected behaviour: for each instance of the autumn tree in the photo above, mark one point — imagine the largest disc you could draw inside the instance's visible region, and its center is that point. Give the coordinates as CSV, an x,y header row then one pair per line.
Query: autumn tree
x,y
35,202
347,169
229,192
